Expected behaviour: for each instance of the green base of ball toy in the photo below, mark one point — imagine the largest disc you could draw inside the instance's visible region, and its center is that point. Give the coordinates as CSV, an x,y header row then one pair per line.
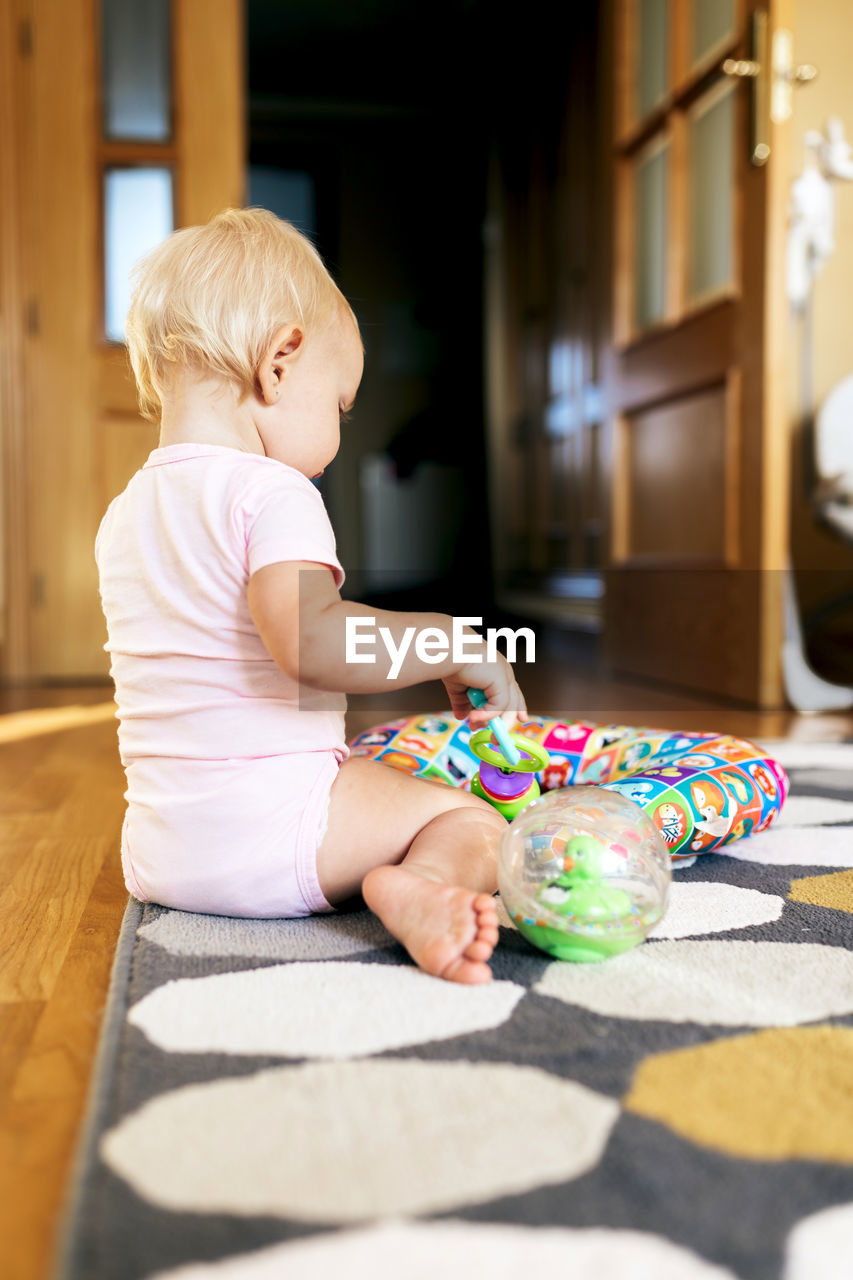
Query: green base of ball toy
x,y
563,946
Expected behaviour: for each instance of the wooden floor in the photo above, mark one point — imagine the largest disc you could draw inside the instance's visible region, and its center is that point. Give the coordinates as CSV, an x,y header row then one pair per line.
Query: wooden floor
x,y
62,899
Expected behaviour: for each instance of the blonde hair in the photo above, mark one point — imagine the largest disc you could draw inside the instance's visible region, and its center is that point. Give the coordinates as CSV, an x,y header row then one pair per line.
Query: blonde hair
x,y
213,297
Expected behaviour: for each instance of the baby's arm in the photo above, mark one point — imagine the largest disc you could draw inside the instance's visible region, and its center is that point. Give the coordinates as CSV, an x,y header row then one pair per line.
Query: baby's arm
x,y
302,619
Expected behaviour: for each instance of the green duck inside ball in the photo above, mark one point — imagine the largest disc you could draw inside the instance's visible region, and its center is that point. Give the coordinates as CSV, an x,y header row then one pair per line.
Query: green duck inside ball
x,y
584,873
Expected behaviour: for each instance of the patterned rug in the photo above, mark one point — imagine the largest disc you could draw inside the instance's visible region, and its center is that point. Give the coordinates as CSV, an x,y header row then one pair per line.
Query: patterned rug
x,y
294,1098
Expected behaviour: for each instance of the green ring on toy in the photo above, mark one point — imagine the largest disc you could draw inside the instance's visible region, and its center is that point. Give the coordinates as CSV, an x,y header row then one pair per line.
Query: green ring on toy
x,y
480,744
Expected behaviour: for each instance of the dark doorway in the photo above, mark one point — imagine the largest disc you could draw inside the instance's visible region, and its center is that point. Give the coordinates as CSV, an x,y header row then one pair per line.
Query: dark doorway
x,y
371,120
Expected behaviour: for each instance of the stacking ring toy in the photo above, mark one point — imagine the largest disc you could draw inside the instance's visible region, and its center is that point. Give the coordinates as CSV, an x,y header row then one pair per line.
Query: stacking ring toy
x,y
480,743
508,787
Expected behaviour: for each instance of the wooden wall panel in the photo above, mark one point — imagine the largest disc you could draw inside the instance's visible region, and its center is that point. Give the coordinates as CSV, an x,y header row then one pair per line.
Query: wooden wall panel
x,y
711,616
675,486
211,107
125,443
116,387
60,220
70,431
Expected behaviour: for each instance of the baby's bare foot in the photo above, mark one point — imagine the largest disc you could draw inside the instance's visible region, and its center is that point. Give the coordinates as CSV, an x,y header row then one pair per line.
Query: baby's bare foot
x,y
450,932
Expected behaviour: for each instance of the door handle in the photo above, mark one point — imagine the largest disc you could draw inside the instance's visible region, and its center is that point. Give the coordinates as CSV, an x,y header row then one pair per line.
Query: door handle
x,y
773,76
786,76
741,67
755,69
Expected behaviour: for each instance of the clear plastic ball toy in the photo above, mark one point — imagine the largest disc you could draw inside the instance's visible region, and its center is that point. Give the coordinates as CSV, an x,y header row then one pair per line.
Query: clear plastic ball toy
x,y
584,873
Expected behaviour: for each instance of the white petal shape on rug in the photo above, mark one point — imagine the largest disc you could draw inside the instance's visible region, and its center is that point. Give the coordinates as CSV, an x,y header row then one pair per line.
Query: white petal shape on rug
x,y
704,982
332,1010
705,907
796,847
811,755
348,1141
812,811
821,1246
463,1251
324,937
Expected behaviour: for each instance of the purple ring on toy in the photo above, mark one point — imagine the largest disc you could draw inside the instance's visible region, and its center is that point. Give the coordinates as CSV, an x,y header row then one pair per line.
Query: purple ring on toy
x,y
505,785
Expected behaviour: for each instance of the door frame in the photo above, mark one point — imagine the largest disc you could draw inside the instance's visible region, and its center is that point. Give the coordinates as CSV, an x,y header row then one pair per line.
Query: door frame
x,y
746,355
17,314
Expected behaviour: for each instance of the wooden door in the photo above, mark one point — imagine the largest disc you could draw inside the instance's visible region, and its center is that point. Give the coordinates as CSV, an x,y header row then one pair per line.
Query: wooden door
x,y
698,445
71,433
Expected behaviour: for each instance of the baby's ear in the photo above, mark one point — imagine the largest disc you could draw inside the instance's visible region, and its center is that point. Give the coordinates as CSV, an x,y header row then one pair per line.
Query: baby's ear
x,y
277,359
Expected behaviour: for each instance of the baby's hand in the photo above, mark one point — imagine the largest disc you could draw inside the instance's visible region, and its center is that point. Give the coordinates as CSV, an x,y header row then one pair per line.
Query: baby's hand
x,y
497,680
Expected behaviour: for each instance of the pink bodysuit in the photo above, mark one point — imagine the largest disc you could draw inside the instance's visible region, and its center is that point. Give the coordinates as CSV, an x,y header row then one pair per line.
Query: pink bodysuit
x,y
229,762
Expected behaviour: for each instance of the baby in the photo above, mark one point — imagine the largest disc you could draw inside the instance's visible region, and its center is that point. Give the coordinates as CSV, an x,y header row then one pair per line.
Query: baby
x,y
227,634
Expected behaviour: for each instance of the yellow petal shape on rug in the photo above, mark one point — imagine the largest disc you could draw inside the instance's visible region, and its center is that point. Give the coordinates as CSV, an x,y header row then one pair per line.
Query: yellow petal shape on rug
x,y
781,1094
834,890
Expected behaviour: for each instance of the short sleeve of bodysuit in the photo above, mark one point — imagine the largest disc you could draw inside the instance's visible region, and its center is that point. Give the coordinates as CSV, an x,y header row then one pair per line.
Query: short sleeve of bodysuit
x,y
285,519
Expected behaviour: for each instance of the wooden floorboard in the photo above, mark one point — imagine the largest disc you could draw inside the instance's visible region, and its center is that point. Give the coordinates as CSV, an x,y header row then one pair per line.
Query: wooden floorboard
x,y
40,1124
18,1021
62,900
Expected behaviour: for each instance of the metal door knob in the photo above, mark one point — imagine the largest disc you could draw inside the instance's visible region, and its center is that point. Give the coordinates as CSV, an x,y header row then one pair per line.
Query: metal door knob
x,y
741,67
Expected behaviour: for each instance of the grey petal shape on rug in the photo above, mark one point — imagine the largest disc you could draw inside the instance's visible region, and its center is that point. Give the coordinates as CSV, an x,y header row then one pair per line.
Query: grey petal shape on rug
x,y
824,779
322,937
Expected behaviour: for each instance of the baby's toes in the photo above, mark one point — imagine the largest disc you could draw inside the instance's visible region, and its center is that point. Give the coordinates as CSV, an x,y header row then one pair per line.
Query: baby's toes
x,y
485,903
467,970
479,949
488,923
486,920
489,936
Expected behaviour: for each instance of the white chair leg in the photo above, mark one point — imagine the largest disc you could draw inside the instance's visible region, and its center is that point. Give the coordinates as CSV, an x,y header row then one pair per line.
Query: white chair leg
x,y
808,693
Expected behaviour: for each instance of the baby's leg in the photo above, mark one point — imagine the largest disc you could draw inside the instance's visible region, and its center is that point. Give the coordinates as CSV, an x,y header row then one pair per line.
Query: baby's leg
x,y
424,856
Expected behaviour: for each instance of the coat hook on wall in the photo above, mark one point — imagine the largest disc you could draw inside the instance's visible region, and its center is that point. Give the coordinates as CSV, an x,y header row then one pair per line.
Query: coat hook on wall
x,y
811,227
